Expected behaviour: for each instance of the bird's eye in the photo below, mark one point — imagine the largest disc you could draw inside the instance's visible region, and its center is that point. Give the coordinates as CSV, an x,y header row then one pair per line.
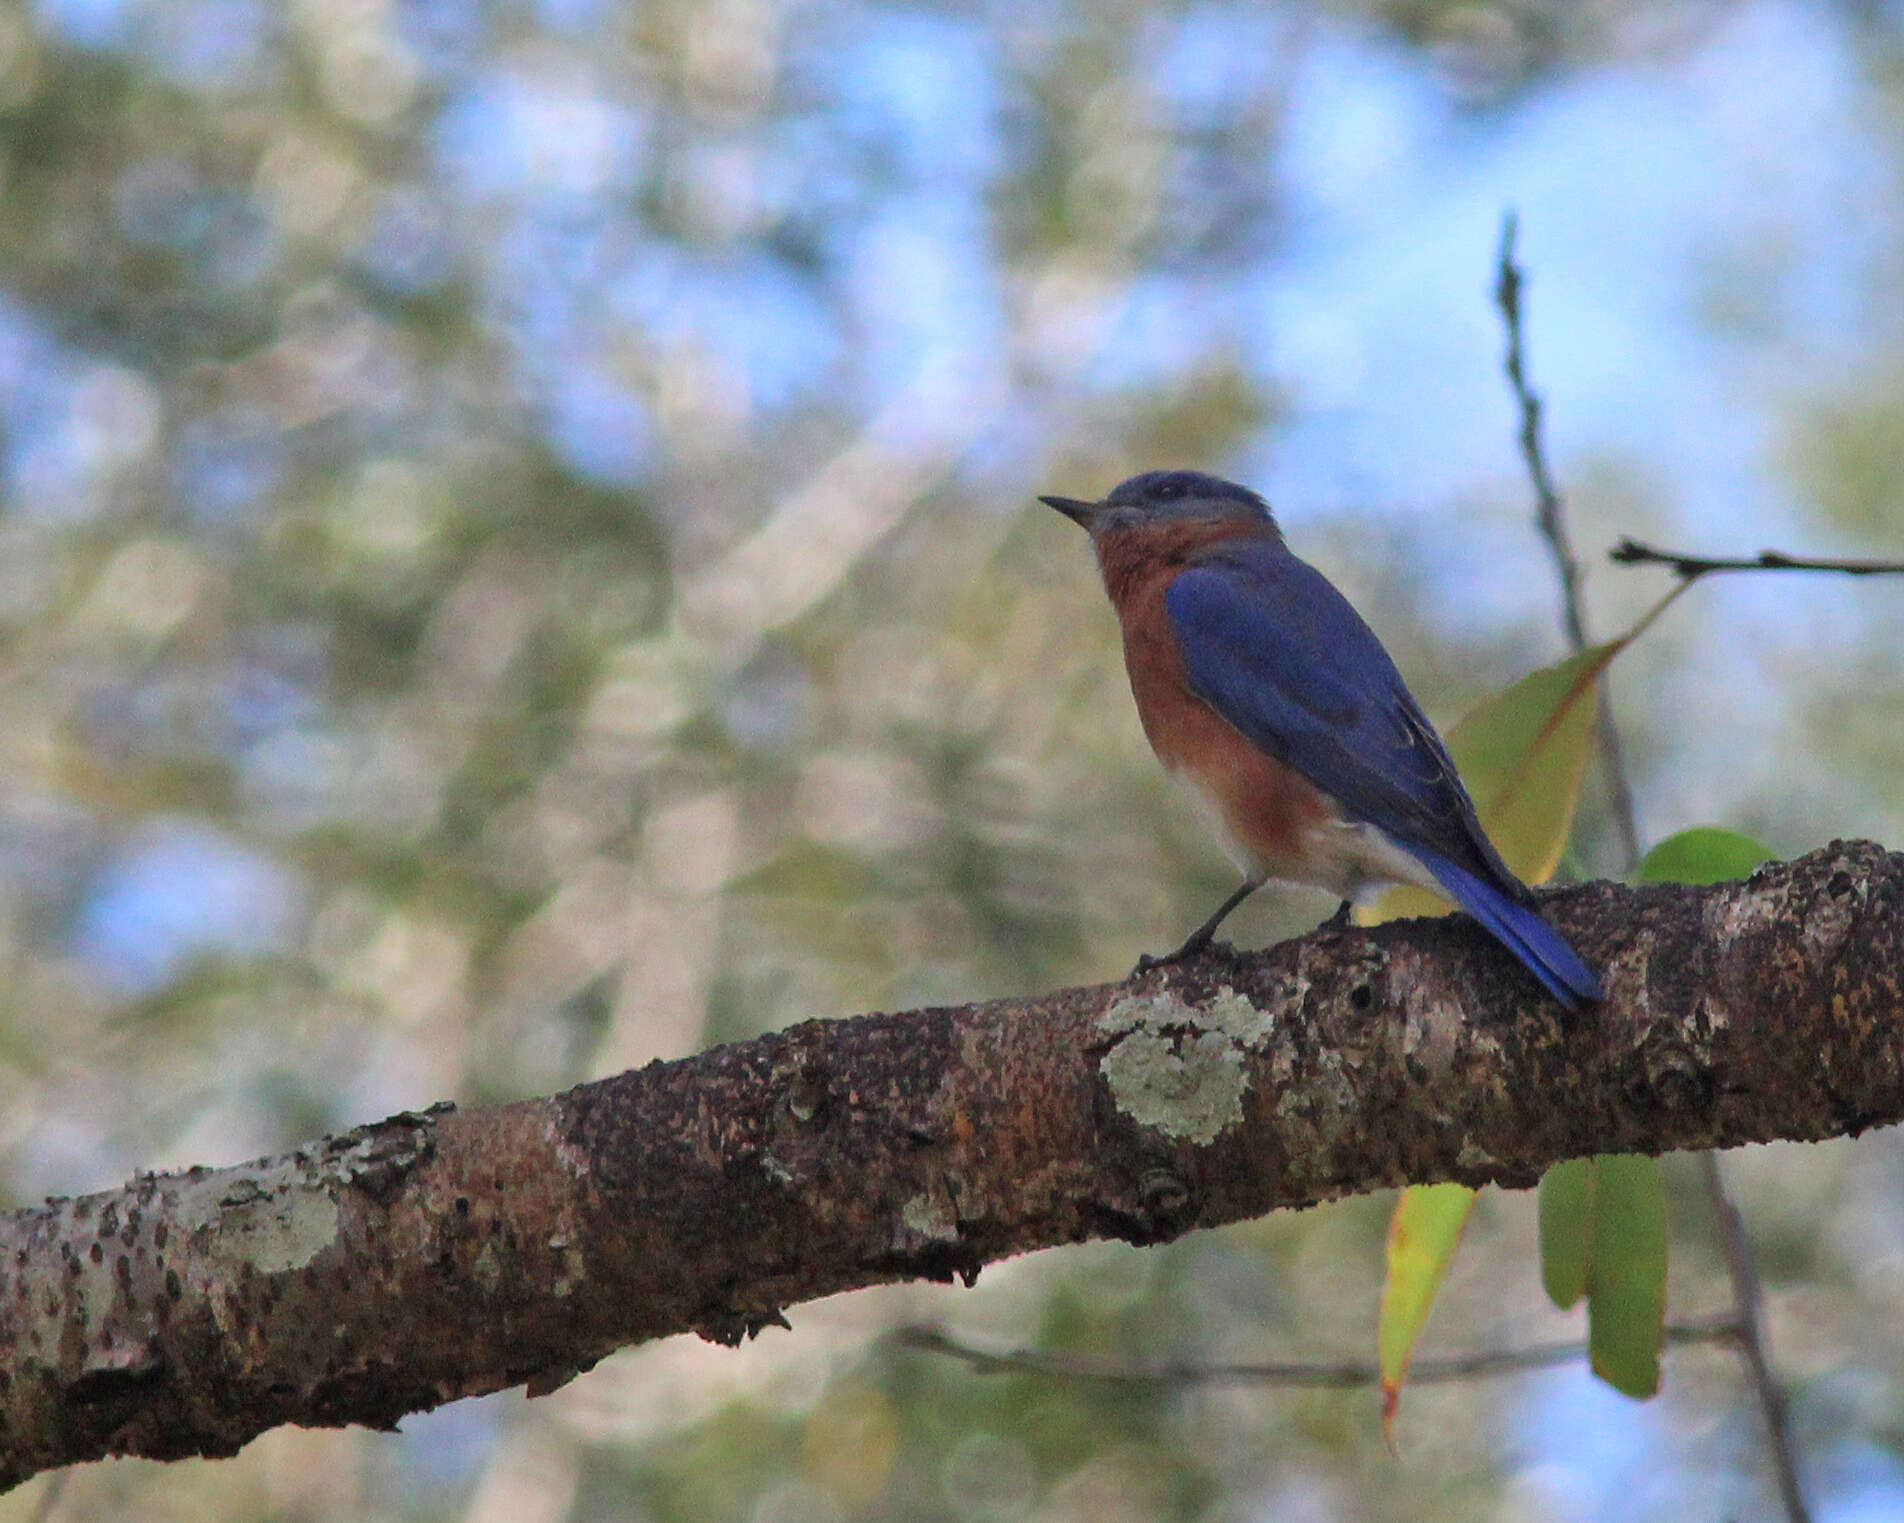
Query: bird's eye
x,y
1167,491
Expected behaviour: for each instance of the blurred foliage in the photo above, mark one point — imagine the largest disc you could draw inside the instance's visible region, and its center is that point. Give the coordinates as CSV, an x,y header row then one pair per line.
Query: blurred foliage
x,y
518,560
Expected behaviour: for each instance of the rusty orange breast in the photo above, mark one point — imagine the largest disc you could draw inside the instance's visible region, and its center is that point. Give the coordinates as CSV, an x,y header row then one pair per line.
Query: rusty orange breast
x,y
1261,808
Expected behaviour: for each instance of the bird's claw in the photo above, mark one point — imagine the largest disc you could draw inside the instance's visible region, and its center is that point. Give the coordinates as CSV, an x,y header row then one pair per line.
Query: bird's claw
x,y
1194,947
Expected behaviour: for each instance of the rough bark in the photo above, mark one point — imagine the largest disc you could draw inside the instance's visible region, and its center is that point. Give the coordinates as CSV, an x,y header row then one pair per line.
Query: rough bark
x,y
449,1253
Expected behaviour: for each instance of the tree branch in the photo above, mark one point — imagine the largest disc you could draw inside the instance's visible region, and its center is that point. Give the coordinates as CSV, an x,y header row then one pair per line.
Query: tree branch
x,y
1550,519
1630,552
450,1253
1747,1293
1509,278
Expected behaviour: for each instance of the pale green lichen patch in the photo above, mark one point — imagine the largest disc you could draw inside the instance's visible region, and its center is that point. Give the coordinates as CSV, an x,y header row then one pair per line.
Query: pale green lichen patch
x,y
273,1218
930,1216
285,1233
1179,1067
1473,1157
1187,1087
1228,1012
1136,1011
1233,1015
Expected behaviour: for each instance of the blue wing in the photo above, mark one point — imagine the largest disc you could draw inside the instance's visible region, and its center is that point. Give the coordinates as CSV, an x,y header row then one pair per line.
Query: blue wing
x,y
1272,646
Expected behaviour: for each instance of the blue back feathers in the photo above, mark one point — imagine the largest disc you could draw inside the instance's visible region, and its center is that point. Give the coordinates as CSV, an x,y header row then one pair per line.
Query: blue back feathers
x,y
1271,645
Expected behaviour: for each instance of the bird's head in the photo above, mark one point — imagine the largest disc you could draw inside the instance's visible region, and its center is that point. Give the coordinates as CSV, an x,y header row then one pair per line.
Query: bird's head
x,y
1159,498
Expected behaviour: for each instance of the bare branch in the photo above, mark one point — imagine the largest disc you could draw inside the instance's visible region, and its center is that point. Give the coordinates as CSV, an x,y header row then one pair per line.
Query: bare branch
x,y
1747,1293
1748,1297
1740,1265
1550,518
1349,1374
451,1253
1630,552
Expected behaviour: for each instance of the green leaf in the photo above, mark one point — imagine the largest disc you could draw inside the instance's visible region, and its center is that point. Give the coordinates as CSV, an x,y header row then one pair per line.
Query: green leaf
x,y
1703,854
1625,1217
1626,1296
1422,1238
1603,1234
1566,1230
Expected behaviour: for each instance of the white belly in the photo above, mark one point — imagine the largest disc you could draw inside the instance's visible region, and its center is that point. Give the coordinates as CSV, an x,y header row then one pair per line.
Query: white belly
x,y
1346,857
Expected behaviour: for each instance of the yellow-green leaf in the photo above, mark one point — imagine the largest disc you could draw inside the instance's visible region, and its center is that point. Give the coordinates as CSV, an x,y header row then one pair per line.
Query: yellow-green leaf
x,y
1523,755
1703,854
1626,1293
1566,1230
1422,1238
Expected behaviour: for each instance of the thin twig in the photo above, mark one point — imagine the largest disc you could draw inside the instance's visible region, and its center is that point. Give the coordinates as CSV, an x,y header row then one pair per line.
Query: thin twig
x,y
1509,279
1630,552
1346,1375
1748,1297
1550,519
1748,1305
1748,1292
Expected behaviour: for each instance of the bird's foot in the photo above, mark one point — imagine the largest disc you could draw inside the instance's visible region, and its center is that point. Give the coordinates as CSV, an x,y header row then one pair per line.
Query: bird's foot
x,y
1194,947
1339,921
1200,937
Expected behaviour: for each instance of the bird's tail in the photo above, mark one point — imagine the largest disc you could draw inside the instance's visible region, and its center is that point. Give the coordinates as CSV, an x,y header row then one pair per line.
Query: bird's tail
x,y
1519,928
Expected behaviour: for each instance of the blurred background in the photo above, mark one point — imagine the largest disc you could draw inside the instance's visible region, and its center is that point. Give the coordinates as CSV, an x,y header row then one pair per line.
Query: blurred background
x,y
518,558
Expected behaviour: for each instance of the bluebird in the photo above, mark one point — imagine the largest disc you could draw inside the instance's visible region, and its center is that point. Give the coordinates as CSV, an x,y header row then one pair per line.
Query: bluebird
x,y
1262,690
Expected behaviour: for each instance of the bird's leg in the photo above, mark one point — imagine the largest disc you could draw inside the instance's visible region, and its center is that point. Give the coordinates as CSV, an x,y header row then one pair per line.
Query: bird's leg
x,y
1200,937
1339,921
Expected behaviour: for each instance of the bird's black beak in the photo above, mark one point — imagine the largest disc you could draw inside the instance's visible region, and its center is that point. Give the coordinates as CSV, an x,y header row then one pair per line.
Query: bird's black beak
x,y
1080,513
